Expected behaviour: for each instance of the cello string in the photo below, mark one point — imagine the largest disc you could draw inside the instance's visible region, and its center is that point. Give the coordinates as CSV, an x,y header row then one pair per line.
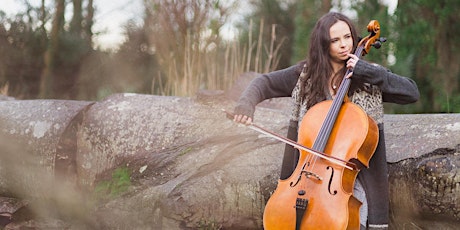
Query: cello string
x,y
329,122
324,134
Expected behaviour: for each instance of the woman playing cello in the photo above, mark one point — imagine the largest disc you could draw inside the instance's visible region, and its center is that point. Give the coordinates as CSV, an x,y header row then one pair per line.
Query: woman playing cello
x,y
330,55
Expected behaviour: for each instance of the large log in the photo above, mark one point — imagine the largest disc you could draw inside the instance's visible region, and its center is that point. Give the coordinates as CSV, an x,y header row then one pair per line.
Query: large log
x,y
33,135
192,168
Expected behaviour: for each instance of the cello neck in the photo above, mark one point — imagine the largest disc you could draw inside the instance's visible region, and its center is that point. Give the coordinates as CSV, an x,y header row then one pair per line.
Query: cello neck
x,y
331,117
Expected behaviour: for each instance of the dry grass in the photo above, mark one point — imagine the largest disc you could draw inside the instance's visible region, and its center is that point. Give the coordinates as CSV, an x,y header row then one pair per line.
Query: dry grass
x,y
217,68
191,53
4,89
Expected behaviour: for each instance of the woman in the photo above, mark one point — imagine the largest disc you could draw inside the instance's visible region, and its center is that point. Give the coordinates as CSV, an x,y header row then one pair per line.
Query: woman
x,y
316,79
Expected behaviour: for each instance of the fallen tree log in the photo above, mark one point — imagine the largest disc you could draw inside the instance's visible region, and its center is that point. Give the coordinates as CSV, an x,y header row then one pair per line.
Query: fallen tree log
x,y
190,167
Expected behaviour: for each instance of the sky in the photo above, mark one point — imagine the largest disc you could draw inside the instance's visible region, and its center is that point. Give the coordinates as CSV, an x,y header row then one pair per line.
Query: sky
x,y
111,15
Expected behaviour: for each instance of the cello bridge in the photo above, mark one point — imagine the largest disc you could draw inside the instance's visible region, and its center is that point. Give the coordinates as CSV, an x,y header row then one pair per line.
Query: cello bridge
x,y
310,174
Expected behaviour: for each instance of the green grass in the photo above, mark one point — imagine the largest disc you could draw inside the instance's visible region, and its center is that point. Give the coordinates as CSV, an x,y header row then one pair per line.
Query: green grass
x,y
117,185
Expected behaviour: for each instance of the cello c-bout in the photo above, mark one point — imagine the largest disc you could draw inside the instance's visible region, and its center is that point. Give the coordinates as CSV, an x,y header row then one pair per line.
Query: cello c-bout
x,y
319,193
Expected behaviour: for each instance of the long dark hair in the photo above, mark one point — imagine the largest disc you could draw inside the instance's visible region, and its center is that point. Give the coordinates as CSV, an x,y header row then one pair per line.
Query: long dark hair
x,y
318,61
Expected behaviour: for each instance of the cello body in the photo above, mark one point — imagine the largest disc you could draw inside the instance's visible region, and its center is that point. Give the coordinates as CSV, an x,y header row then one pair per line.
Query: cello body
x,y
329,197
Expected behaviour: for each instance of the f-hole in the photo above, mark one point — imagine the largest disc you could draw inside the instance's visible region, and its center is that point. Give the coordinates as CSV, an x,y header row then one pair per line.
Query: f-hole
x,y
330,181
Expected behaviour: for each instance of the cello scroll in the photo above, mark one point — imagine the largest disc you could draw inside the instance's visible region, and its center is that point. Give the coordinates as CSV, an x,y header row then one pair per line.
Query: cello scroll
x,y
373,39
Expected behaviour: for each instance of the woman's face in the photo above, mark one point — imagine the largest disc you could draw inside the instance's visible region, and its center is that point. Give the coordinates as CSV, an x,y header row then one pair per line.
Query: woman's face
x,y
341,42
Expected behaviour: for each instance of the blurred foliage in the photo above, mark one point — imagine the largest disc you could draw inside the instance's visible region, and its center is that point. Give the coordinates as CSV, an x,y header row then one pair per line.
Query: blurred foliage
x,y
259,23
128,69
22,44
427,49
178,49
305,17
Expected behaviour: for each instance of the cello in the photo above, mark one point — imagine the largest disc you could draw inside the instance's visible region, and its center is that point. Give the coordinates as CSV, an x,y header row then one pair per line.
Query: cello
x,y
336,138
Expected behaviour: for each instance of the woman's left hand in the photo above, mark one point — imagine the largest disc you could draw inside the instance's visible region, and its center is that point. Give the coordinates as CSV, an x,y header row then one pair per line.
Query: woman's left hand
x,y
351,63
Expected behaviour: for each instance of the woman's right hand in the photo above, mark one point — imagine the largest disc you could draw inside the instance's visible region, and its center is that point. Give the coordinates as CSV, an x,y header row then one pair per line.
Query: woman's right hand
x,y
243,119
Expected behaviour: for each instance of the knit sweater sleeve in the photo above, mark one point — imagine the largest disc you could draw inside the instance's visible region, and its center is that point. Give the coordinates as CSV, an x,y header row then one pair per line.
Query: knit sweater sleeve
x,y
278,83
395,88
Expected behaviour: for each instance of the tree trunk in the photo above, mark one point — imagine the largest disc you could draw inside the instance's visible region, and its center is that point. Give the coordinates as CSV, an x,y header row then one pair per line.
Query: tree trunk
x,y
76,23
89,22
47,79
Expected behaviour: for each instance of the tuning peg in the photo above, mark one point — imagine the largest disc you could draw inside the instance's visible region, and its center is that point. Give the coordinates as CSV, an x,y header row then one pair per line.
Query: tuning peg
x,y
377,44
